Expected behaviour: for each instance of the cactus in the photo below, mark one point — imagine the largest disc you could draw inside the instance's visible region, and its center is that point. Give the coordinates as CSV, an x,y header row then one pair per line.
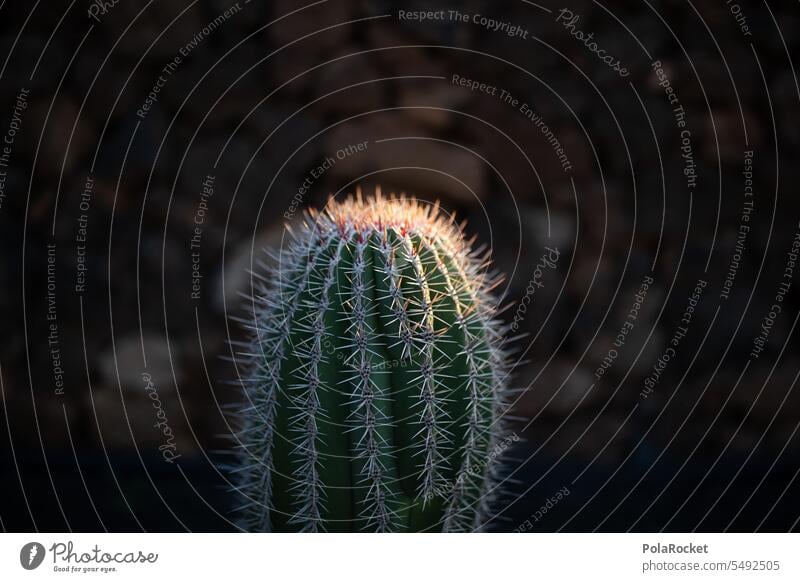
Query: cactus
x,y
374,377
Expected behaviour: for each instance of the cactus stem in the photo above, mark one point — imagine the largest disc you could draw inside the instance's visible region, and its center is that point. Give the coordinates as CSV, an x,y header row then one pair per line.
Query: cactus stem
x,y
374,376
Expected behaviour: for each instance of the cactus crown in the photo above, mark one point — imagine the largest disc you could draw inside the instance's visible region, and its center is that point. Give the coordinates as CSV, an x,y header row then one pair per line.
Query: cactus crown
x,y
374,380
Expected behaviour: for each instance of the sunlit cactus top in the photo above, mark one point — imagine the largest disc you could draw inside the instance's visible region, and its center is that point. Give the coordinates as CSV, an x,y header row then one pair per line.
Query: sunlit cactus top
x,y
374,377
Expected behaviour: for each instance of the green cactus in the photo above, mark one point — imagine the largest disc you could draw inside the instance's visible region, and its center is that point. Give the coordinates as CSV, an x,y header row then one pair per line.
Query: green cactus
x,y
374,377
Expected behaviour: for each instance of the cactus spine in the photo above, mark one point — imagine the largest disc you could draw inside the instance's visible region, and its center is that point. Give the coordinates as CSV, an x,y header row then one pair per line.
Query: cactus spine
x,y
374,378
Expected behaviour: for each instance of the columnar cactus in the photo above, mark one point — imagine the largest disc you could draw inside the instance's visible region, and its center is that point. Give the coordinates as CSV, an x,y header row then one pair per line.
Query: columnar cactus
x,y
374,378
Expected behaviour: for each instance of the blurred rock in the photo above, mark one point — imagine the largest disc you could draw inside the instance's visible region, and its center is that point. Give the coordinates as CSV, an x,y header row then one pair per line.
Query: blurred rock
x,y
324,22
399,54
727,125
234,285
59,143
428,102
126,363
332,79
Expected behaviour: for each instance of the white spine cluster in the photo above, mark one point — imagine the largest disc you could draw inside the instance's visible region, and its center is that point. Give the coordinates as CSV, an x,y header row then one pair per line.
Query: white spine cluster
x,y
273,309
432,414
367,415
489,369
305,393
398,303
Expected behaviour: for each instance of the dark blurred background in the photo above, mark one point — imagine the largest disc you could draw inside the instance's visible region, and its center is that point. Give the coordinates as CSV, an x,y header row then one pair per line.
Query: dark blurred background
x,y
263,94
